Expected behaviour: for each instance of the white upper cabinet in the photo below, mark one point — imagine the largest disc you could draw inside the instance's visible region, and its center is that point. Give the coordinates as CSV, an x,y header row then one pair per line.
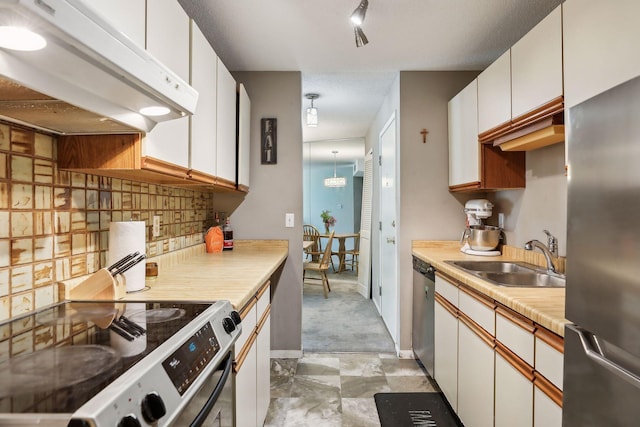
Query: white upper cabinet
x,y
203,123
127,16
494,94
226,132
600,46
168,41
536,65
464,162
244,136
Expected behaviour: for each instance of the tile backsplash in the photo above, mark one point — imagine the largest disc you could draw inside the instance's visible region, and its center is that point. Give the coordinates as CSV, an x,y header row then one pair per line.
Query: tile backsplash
x,y
54,224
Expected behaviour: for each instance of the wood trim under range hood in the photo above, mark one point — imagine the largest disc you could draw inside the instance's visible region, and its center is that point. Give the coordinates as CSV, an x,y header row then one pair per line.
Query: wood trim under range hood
x,y
19,104
539,128
120,156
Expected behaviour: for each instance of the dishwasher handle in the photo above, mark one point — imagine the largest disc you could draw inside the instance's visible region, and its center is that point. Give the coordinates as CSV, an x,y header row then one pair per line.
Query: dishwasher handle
x,y
424,268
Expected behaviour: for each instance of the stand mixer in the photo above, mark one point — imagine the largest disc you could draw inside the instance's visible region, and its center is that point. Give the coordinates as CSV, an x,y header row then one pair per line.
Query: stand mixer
x,y
479,239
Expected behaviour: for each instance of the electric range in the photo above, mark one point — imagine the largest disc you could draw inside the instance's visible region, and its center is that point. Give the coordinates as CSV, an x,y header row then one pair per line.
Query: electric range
x,y
111,363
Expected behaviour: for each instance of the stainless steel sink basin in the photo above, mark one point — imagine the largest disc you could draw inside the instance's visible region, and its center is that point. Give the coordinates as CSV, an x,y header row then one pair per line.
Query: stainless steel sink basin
x,y
494,266
511,274
524,280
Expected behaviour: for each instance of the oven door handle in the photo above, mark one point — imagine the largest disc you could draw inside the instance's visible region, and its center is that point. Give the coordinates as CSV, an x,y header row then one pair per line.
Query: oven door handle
x,y
204,412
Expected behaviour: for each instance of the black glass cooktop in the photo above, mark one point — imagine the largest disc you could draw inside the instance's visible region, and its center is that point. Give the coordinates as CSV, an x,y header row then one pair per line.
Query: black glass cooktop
x,y
59,358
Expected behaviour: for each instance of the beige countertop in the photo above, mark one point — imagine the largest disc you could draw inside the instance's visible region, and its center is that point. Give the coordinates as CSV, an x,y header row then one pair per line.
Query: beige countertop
x,y
232,275
544,306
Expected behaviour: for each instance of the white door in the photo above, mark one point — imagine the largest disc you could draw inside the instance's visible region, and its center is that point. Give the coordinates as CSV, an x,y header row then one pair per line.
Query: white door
x,y
388,278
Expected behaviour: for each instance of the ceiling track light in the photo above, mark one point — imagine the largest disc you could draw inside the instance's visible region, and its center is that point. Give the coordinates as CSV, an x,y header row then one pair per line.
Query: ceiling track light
x,y
357,17
312,112
361,39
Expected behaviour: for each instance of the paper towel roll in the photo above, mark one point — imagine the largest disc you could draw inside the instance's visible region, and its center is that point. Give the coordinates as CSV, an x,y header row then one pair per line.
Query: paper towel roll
x,y
124,238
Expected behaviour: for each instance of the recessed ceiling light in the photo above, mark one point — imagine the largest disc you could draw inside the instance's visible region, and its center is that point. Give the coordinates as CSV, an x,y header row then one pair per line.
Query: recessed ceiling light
x,y
155,110
20,38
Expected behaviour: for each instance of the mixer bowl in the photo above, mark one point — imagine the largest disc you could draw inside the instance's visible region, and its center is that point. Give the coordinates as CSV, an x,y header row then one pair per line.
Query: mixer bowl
x,y
483,237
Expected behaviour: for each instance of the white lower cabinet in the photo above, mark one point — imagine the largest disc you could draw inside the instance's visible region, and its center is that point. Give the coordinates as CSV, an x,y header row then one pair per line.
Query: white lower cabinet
x,y
475,376
263,370
547,413
446,350
246,403
512,379
513,395
253,362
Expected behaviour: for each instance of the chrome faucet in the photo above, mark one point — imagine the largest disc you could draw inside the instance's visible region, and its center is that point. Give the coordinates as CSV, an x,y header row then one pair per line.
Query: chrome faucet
x,y
550,251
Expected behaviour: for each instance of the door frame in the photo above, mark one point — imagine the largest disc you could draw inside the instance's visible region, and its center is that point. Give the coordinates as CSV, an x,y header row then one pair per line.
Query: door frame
x,y
392,319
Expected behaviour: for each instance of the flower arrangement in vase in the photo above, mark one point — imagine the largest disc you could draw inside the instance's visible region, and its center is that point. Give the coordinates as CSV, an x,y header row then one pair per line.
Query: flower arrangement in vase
x,y
328,220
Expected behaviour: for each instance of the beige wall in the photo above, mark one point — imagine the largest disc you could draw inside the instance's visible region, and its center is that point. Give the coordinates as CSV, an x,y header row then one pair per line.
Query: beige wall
x,y
427,210
274,191
542,205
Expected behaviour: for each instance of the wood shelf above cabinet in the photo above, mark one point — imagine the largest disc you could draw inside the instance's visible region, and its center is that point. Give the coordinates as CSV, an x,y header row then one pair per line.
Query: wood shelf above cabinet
x,y
120,156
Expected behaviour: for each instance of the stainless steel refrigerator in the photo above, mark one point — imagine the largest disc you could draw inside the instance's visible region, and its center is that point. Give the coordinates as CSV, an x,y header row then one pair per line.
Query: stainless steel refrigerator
x,y
602,348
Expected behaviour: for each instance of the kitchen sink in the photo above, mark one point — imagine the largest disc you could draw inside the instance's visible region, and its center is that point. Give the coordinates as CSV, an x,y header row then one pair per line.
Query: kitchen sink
x,y
494,266
511,274
524,280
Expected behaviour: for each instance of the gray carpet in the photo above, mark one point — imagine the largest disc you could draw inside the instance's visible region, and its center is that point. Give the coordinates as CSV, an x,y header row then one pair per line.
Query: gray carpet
x,y
345,322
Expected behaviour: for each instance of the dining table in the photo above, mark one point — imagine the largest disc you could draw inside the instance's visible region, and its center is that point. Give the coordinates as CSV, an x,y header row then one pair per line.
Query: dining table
x,y
342,238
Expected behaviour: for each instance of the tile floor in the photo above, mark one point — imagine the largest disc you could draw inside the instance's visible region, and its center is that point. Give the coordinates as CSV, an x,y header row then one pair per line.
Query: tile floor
x,y
336,389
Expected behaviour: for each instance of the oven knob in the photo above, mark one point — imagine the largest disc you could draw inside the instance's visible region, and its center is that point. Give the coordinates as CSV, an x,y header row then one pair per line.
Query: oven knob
x,y
235,316
153,407
228,325
129,421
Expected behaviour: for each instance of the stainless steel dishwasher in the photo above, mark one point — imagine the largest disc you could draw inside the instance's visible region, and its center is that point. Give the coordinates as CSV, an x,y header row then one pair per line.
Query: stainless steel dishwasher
x,y
424,281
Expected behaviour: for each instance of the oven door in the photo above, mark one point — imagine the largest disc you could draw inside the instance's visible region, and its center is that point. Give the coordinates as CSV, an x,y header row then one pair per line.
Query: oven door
x,y
213,403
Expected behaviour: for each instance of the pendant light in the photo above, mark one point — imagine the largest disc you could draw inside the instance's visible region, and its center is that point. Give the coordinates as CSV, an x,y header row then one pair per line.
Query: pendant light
x,y
335,181
312,112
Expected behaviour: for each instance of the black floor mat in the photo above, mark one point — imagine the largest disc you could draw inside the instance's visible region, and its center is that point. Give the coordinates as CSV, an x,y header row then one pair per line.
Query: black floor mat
x,y
415,409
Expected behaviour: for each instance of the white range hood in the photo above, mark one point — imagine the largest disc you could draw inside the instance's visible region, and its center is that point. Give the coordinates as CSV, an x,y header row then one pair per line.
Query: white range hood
x,y
89,79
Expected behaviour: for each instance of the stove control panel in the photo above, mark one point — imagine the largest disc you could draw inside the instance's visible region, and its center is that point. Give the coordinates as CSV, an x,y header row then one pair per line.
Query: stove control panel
x,y
185,364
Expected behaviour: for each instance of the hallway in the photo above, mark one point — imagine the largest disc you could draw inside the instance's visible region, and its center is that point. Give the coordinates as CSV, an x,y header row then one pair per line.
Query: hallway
x,y
344,322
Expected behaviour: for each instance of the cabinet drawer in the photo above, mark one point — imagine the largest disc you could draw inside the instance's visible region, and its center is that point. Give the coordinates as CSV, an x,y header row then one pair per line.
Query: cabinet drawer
x,y
249,320
480,311
516,334
549,359
447,290
264,298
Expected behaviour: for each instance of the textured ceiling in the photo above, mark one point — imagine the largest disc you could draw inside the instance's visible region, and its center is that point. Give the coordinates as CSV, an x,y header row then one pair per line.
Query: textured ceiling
x,y
316,38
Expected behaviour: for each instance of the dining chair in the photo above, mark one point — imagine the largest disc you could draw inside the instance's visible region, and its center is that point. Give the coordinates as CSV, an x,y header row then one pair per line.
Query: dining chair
x,y
351,256
320,268
310,233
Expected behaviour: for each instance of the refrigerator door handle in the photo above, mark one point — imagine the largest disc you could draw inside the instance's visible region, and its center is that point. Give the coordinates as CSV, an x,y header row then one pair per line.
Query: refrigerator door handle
x,y
593,351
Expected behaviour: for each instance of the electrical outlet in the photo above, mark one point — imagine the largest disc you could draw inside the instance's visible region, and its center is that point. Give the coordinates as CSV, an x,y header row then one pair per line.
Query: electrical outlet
x,y
501,220
156,226
288,220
